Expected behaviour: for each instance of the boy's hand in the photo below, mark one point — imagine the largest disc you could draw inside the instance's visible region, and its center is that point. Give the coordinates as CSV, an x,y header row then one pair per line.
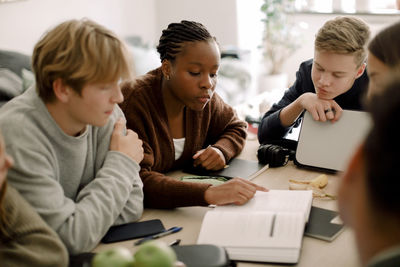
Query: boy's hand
x,y
236,191
129,144
210,158
321,109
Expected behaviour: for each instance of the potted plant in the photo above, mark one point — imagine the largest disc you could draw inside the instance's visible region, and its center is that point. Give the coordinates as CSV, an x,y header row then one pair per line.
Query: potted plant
x,y
281,39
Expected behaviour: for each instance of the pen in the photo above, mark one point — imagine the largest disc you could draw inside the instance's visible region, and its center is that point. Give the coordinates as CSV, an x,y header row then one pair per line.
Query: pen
x,y
175,243
164,233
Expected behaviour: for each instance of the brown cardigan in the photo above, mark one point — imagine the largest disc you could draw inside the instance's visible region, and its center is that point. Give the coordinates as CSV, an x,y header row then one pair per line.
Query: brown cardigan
x,y
217,125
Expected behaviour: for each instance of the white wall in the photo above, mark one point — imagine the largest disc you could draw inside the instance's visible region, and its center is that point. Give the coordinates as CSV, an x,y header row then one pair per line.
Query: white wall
x,y
22,23
315,21
218,16
250,29
233,22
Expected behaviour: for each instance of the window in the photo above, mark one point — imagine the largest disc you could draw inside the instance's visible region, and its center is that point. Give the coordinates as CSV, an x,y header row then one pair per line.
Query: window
x,y
347,6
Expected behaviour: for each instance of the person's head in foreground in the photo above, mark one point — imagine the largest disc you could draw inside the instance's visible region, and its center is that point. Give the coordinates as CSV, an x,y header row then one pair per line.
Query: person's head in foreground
x,y
369,193
78,66
383,56
339,56
190,59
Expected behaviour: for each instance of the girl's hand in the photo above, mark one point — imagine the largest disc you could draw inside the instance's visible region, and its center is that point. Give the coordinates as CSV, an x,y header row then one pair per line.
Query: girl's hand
x,y
236,191
210,158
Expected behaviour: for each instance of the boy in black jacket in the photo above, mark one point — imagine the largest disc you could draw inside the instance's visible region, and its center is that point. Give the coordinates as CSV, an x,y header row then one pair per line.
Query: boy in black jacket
x,y
325,85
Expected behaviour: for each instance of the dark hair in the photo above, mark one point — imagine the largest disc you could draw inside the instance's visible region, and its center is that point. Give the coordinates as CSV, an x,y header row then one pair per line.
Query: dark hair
x,y
173,38
385,45
381,150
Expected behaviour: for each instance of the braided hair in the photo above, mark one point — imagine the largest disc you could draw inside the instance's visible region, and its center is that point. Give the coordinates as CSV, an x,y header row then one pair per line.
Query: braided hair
x,y
173,38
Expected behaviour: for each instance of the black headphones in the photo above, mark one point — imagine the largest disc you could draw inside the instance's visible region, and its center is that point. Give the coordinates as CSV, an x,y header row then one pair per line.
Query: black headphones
x,y
274,155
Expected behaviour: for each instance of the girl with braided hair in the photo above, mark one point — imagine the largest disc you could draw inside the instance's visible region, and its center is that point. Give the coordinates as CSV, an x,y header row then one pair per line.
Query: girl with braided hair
x,y
182,121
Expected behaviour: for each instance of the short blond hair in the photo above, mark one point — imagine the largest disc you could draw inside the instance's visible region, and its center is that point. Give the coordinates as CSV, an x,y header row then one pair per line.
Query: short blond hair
x,y
79,52
344,35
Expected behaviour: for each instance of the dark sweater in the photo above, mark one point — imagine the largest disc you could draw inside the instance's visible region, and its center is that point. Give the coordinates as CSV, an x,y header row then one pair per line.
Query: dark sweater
x,y
215,125
271,127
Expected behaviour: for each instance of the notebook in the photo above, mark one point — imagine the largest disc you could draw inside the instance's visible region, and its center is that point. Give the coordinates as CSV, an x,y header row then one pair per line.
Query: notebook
x,y
133,230
327,145
322,224
247,169
269,228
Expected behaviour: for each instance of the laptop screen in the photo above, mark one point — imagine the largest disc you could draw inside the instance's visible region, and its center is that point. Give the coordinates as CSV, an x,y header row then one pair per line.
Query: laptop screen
x,y
330,145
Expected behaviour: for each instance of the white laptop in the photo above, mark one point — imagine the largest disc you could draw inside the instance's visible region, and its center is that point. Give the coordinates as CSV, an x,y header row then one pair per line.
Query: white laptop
x,y
328,145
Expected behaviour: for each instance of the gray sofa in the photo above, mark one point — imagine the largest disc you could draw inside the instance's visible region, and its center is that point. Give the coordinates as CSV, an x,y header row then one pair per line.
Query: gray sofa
x,y
15,74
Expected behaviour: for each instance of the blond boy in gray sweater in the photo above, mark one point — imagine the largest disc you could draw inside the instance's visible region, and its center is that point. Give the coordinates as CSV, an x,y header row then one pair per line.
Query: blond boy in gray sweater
x,y
75,163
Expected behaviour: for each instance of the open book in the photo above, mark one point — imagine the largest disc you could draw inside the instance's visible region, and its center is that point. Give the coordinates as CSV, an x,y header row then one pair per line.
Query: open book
x,y
269,228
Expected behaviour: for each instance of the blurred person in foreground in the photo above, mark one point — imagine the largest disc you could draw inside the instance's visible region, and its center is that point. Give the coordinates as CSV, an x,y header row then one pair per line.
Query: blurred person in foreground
x,y
370,188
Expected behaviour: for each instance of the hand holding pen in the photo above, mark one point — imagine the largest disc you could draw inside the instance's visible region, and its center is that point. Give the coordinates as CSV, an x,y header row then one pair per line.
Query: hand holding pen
x,y
164,233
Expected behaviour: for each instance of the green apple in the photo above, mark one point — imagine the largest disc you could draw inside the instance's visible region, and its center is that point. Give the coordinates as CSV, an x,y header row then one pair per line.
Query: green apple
x,y
155,253
114,257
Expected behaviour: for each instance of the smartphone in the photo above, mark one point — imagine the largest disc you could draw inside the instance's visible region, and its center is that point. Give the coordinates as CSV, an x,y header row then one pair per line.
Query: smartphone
x,y
133,230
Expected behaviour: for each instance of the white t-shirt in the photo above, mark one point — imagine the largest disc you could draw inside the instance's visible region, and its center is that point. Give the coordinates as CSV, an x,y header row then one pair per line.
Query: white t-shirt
x,y
179,145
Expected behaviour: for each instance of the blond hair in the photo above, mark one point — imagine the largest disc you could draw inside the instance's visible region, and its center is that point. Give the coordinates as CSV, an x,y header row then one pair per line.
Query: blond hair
x,y
79,52
344,35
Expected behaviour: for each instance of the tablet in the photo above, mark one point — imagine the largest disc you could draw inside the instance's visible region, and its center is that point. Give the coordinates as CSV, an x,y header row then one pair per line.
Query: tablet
x,y
327,145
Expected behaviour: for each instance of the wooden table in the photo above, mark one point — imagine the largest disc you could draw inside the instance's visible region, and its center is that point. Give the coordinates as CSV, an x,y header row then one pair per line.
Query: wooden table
x,y
341,252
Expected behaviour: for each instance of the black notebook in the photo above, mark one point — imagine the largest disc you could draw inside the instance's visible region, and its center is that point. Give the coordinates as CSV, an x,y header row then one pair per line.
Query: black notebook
x,y
320,224
246,169
133,230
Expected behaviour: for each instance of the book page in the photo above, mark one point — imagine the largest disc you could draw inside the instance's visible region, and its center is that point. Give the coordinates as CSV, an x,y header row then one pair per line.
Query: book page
x,y
276,201
249,230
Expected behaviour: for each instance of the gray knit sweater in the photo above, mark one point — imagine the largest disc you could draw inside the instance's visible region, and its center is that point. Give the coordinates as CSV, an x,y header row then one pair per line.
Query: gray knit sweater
x,y
76,184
